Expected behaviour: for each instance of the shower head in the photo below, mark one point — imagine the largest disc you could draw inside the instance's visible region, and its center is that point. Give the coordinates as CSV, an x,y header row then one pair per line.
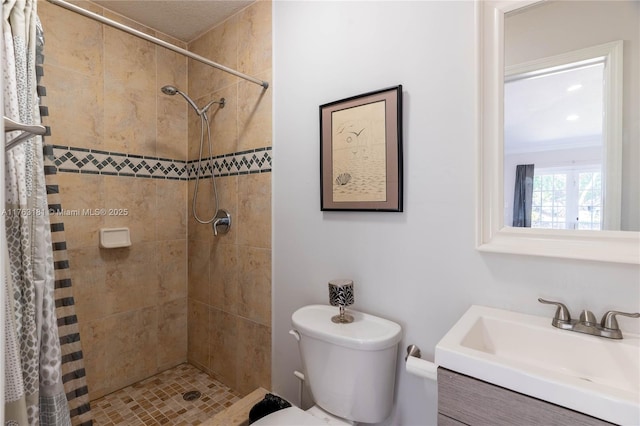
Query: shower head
x,y
172,90
169,90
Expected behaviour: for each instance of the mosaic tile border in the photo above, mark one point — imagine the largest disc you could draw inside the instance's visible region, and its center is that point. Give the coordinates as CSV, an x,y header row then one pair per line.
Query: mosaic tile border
x,y
92,161
239,163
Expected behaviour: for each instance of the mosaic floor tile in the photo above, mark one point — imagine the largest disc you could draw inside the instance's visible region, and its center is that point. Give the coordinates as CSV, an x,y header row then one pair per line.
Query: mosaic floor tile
x,y
158,400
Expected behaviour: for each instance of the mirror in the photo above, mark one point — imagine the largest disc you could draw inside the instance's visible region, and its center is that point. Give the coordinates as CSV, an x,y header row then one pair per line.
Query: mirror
x,y
524,41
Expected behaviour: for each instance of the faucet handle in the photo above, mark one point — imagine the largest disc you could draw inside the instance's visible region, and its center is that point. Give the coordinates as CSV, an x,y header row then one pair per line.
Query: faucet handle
x,y
562,312
221,223
588,318
610,322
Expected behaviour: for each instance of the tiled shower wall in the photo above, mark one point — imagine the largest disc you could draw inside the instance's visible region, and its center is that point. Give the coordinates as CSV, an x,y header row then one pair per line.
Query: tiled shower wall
x,y
229,317
103,90
103,93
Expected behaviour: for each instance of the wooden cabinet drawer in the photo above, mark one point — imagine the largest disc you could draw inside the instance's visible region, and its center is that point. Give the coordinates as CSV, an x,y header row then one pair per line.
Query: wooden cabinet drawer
x,y
474,402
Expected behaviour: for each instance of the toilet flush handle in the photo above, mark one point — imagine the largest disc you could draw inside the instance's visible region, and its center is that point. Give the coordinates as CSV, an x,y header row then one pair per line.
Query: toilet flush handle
x,y
295,334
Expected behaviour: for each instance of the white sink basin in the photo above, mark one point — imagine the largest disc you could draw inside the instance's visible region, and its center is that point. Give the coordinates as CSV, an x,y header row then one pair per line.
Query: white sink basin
x,y
525,353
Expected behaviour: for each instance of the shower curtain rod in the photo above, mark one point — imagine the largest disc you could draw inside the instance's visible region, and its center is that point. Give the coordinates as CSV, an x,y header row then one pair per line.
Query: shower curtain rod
x,y
155,40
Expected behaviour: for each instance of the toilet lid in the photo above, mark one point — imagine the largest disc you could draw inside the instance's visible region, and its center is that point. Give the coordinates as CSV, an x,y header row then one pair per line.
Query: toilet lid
x,y
292,416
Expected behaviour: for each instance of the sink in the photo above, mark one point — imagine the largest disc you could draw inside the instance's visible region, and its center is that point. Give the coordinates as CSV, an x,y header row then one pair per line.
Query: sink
x,y
525,353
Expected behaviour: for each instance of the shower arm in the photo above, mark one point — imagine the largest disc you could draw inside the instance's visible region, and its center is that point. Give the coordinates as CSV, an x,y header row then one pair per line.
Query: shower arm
x,y
155,40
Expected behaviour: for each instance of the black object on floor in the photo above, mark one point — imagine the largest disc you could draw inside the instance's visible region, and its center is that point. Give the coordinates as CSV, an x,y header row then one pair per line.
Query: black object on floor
x,y
270,404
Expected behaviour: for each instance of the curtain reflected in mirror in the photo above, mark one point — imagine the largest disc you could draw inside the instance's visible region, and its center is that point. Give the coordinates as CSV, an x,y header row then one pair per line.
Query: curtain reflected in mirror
x,y
523,195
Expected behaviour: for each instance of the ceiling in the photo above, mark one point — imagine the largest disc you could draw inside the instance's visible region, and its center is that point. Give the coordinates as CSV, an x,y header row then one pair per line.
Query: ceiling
x,y
557,110
181,19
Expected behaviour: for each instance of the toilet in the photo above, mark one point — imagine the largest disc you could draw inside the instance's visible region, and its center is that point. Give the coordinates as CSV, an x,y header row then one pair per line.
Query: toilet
x,y
349,368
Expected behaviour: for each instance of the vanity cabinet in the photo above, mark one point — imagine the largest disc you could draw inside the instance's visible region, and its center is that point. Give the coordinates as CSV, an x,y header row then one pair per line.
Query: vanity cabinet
x,y
463,400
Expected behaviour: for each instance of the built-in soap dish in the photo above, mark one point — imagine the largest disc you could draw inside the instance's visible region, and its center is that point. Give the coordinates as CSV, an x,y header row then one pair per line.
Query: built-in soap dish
x,y
114,238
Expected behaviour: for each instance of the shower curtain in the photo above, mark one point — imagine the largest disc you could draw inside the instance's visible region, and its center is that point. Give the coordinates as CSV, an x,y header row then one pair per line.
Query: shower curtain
x,y
34,392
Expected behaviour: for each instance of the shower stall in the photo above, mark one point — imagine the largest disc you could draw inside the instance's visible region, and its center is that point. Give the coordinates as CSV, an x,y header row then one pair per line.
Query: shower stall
x,y
126,151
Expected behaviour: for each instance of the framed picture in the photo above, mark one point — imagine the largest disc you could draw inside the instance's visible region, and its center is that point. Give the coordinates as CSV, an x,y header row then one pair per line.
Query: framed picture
x,y
361,152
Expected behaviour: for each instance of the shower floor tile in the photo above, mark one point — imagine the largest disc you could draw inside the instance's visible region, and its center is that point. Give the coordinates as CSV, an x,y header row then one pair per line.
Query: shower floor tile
x,y
158,400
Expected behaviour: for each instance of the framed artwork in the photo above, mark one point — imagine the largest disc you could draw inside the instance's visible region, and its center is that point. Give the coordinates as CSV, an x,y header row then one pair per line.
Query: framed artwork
x,y
361,152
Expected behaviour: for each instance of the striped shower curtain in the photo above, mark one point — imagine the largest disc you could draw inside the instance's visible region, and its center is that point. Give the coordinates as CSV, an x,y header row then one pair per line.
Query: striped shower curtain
x,y
34,392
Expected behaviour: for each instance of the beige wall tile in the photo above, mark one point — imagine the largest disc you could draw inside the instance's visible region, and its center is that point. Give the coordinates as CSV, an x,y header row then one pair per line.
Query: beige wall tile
x,y
131,354
76,111
171,68
224,122
171,209
254,349
129,60
221,46
88,275
254,210
254,38
79,192
205,208
172,124
130,93
199,270
172,270
227,188
131,277
254,114
84,54
224,277
194,130
94,344
130,118
198,323
224,341
192,232
138,197
172,333
171,127
254,284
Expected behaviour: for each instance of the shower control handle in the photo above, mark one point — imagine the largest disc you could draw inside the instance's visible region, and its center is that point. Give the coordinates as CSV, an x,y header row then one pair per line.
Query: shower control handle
x,y
222,222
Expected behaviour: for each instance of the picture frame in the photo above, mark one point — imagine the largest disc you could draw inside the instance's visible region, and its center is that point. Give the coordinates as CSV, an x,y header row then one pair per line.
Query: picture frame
x,y
361,152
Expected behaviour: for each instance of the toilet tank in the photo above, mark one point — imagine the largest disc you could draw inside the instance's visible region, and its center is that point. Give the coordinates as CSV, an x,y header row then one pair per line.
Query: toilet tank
x,y
350,368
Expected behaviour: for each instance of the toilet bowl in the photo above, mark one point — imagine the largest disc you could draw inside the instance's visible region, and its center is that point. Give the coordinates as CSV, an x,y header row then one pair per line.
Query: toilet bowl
x,y
349,368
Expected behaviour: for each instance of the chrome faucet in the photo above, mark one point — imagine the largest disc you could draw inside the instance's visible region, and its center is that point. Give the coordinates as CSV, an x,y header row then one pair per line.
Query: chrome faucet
x,y
608,326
